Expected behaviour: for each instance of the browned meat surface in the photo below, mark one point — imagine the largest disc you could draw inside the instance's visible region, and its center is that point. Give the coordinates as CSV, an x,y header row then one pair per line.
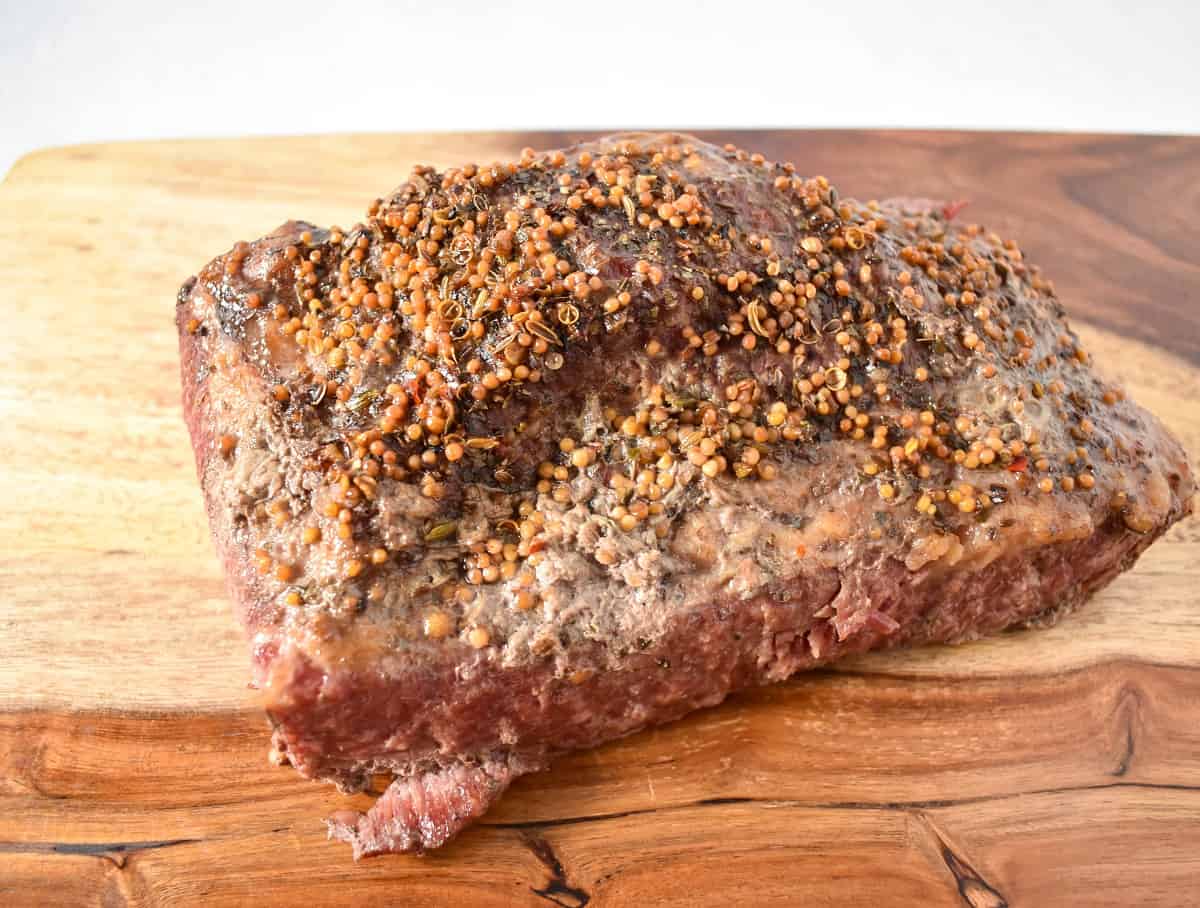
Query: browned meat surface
x,y
543,453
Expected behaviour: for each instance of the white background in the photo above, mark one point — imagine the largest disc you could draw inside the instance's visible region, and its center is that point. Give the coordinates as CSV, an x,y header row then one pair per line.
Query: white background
x,y
78,72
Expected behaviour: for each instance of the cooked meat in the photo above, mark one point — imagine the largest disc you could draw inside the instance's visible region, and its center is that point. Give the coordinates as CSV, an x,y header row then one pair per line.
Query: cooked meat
x,y
543,453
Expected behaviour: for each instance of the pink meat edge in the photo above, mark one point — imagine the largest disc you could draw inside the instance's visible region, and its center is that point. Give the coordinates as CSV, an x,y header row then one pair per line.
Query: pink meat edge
x,y
424,811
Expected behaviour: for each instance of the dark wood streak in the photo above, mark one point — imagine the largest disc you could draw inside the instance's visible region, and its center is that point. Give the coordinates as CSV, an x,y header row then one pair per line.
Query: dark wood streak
x,y
769,802
974,889
558,889
89,848
1129,710
1127,756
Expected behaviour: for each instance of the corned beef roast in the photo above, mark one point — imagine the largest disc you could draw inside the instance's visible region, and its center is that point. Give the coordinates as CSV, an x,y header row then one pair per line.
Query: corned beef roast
x,y
543,453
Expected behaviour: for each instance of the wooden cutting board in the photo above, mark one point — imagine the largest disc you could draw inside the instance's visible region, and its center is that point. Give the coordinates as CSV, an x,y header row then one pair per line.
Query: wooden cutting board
x,y
1044,767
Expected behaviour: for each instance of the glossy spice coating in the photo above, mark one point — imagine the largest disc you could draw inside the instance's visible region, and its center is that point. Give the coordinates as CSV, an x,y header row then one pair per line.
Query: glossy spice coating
x,y
543,452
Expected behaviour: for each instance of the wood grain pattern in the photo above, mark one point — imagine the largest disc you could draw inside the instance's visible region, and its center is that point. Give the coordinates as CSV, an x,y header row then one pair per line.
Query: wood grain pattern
x,y
1053,767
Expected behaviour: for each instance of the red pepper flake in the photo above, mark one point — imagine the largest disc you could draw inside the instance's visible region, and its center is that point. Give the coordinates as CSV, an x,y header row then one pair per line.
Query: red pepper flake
x,y
1018,466
950,209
